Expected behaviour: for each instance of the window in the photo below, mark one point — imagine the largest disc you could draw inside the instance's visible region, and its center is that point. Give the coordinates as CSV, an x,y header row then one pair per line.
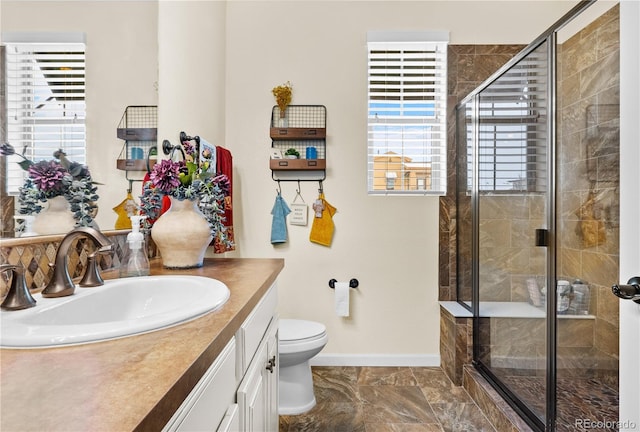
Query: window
x,y
45,103
407,113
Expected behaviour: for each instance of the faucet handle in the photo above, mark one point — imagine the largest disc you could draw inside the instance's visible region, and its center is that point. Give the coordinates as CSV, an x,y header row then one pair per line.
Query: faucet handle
x,y
19,296
92,277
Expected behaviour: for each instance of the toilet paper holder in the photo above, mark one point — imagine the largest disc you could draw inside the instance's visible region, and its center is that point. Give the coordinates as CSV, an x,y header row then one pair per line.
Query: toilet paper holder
x,y
353,283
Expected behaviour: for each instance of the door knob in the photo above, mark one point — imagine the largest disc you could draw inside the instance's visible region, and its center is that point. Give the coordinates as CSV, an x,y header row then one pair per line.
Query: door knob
x,y
631,291
271,364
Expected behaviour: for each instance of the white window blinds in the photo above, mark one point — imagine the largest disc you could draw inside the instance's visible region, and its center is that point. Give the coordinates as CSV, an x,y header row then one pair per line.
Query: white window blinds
x,y
407,117
45,103
512,147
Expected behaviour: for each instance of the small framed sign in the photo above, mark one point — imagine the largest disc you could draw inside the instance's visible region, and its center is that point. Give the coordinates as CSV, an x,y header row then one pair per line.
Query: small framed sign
x,y
299,214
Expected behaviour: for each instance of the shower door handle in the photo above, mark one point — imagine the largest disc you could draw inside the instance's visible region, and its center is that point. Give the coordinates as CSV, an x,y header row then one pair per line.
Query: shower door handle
x,y
542,237
631,291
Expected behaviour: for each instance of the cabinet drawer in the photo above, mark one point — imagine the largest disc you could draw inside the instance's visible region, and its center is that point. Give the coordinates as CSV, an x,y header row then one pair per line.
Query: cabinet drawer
x,y
252,330
206,405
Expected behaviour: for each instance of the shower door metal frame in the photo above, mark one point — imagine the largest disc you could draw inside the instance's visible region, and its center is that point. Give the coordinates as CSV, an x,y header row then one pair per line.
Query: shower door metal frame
x,y
550,37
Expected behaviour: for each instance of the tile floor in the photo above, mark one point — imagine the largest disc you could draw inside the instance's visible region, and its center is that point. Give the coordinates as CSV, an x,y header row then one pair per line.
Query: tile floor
x,y
578,400
387,399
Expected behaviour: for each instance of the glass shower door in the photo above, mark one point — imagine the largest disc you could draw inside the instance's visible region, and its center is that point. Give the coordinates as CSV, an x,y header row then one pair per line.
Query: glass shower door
x,y
587,240
509,166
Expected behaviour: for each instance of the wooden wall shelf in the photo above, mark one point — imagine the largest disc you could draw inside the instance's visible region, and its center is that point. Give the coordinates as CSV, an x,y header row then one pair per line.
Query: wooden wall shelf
x,y
297,164
134,164
298,133
138,134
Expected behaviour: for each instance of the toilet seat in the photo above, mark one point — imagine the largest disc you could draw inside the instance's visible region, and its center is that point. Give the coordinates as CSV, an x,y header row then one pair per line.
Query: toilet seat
x,y
300,335
294,329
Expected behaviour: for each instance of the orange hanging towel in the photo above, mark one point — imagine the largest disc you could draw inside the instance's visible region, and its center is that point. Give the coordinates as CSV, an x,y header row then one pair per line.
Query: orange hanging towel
x,y
125,210
323,227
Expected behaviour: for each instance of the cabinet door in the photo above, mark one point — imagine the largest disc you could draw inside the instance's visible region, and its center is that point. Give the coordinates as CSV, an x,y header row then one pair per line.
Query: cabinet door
x,y
252,394
231,420
272,376
205,407
258,391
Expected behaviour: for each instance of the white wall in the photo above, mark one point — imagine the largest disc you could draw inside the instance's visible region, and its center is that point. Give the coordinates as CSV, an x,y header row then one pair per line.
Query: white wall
x,y
191,70
122,70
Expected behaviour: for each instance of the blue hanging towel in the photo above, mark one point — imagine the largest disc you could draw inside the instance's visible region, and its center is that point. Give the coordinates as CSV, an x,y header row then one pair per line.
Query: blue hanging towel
x,y
279,221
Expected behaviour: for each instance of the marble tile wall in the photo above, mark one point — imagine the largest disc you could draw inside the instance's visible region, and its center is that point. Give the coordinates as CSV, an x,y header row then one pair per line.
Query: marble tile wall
x,y
468,66
456,344
508,253
588,140
497,410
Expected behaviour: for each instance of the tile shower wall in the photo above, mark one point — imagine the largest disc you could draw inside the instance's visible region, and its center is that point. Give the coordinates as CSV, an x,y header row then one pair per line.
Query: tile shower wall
x,y
468,66
505,227
589,142
456,344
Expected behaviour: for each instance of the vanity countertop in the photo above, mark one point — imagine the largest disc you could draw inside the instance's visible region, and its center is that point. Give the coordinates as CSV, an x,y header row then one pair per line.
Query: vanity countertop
x,y
133,383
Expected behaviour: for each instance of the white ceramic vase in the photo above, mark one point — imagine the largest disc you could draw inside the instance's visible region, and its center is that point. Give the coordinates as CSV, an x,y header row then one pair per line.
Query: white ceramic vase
x,y
182,234
56,218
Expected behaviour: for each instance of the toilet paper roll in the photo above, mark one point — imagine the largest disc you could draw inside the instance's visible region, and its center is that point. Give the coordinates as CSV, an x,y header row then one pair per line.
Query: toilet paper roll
x,y
342,298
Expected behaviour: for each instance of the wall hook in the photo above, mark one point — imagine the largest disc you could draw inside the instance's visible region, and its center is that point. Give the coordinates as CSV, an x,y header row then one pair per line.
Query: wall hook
x,y
167,147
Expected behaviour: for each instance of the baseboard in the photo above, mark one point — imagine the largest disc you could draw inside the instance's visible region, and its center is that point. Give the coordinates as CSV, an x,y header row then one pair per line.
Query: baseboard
x,y
417,360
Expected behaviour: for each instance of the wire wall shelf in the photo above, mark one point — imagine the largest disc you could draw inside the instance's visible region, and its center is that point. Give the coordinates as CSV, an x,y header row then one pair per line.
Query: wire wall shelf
x,y
301,128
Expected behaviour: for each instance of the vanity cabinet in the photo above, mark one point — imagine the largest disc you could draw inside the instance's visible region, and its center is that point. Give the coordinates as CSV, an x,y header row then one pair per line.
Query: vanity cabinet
x,y
239,391
258,392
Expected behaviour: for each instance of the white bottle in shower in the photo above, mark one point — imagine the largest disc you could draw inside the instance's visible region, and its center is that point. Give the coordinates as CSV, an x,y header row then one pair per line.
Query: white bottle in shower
x,y
563,289
582,297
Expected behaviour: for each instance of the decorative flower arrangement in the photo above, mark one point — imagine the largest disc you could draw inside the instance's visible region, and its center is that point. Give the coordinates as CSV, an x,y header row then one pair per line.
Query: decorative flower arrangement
x,y
283,96
60,177
190,179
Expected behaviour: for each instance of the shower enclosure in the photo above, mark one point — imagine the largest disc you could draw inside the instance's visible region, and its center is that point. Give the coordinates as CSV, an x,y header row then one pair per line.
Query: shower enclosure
x,y
537,224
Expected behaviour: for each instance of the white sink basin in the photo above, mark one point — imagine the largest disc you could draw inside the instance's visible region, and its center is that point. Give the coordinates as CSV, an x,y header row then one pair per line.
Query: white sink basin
x,y
119,308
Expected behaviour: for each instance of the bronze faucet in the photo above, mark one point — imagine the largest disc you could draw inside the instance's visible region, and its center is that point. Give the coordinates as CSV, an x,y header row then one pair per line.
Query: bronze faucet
x,y
18,297
61,284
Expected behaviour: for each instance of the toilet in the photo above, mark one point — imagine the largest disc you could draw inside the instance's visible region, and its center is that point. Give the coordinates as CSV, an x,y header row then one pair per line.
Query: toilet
x,y
299,341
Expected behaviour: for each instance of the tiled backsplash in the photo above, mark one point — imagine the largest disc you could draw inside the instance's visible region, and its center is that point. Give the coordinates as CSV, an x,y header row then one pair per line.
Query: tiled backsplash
x,y
36,253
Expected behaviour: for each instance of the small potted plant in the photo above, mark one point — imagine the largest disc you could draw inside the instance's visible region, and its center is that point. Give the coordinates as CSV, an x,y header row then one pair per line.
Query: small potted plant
x,y
292,154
